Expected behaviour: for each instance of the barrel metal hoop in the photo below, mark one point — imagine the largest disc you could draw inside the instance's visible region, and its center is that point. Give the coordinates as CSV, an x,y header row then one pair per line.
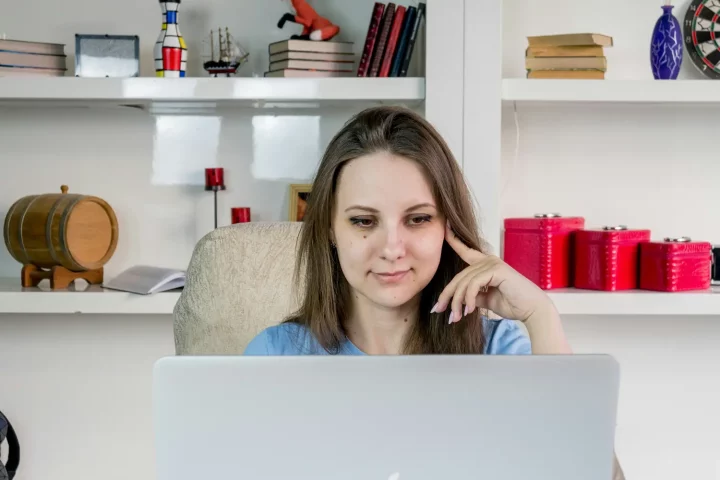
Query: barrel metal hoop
x,y
6,229
20,228
63,232
48,231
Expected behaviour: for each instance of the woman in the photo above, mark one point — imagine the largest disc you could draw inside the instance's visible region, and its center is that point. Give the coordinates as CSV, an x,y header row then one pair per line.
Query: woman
x,y
392,260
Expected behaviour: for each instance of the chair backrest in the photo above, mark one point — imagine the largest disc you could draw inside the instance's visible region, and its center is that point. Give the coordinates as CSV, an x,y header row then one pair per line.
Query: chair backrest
x,y
239,281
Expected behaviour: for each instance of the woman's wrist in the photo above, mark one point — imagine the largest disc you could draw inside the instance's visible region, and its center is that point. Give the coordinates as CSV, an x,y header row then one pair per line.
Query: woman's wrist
x,y
547,335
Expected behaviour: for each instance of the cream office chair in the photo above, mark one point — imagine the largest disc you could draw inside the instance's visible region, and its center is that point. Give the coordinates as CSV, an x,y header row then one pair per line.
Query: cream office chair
x,y
239,281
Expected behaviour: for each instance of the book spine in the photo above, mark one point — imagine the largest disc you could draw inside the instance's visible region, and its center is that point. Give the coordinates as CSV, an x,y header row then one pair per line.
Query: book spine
x,y
392,42
413,38
371,38
382,40
399,56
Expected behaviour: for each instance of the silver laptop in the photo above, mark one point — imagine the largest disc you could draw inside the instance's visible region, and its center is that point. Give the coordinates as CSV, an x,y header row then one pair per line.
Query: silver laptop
x,y
385,417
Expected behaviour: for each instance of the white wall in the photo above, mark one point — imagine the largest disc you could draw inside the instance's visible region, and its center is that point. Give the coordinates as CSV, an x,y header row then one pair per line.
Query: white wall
x,y
647,166
150,169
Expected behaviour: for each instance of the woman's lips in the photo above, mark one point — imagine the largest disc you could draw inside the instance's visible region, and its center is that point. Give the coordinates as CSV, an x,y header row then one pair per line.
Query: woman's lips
x,y
392,277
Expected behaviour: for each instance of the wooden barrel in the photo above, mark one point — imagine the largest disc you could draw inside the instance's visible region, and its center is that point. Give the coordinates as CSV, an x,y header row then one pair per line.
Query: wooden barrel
x,y
78,232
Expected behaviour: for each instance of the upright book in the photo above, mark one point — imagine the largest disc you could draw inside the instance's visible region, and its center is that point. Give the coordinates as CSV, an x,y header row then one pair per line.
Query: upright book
x,y
371,39
413,39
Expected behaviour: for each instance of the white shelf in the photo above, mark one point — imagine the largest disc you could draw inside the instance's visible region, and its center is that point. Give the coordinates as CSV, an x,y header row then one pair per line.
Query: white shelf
x,y
623,91
95,300
211,92
636,302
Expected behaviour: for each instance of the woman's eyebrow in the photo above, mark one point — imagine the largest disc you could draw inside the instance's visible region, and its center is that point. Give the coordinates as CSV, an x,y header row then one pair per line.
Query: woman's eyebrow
x,y
420,205
374,210
362,207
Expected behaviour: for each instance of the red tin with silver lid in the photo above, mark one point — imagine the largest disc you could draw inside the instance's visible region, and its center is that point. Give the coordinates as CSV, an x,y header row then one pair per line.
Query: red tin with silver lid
x,y
608,258
540,248
675,264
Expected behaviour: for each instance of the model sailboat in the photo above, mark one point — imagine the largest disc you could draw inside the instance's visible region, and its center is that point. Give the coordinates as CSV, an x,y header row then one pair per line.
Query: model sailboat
x,y
226,56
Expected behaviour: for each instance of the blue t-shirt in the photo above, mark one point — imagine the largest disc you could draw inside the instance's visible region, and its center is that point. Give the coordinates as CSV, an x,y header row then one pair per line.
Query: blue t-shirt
x,y
504,337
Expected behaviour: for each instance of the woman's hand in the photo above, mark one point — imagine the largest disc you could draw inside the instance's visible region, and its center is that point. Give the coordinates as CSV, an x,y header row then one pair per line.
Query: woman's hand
x,y
490,283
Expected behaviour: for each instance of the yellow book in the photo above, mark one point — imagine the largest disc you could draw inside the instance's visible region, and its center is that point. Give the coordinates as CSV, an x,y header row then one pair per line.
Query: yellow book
x,y
566,63
567,74
579,51
571,39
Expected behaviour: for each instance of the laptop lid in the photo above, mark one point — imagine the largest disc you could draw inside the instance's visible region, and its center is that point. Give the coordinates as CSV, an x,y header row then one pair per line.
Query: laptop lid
x,y
385,417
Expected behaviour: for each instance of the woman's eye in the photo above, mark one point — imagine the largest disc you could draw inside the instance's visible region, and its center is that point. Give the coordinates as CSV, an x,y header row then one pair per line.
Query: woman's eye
x,y
419,219
362,221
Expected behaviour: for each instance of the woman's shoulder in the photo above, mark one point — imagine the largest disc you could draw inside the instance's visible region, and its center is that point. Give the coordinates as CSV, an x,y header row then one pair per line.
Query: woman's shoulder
x,y
502,337
284,339
506,337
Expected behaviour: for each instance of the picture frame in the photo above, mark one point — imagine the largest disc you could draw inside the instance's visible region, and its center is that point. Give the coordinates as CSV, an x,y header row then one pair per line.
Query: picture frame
x,y
299,193
107,56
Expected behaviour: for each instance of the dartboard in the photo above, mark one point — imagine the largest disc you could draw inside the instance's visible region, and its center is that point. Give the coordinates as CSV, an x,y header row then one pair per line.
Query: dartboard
x,y
702,26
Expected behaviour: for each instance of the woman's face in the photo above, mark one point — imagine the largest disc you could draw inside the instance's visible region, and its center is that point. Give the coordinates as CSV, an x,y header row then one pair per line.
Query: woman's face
x,y
387,229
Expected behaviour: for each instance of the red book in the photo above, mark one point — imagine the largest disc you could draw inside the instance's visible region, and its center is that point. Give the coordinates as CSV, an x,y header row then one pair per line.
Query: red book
x,y
675,265
608,259
371,39
382,39
392,42
540,248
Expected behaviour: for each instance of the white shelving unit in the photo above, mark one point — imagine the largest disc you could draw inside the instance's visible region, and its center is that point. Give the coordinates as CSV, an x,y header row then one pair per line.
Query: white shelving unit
x,y
617,91
97,300
92,300
211,92
636,302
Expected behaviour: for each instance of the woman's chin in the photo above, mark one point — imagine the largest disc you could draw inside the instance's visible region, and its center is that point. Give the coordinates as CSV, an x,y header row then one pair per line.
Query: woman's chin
x,y
394,298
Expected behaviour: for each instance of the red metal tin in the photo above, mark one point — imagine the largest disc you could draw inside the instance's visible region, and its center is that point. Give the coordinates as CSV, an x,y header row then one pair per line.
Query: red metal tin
x,y
608,258
239,215
675,265
540,248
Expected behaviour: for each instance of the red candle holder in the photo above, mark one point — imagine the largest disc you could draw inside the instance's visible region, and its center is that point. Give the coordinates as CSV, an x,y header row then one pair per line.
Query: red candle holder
x,y
240,215
215,181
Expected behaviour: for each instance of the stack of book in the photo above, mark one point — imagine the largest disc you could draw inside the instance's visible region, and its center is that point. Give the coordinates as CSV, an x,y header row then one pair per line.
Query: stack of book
x,y
568,56
23,58
390,40
308,58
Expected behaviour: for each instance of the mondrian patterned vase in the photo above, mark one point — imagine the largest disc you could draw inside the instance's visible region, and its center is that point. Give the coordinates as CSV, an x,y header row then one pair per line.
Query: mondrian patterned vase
x,y
170,49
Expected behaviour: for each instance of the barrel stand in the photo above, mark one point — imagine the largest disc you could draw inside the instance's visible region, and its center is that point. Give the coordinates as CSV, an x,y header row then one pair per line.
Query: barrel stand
x,y
60,277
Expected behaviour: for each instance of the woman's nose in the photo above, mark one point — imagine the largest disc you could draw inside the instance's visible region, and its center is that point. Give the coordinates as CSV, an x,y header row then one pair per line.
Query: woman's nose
x,y
394,247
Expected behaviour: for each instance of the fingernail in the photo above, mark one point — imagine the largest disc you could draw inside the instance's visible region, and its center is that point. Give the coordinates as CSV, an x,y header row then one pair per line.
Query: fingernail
x,y
435,308
450,317
467,310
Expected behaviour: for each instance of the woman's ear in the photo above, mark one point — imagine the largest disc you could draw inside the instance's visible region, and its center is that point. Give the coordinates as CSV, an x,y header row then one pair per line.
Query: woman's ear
x,y
332,238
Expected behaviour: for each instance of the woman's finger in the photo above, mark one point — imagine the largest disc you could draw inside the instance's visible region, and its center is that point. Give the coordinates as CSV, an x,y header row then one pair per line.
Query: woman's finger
x,y
469,255
458,298
447,294
468,291
475,287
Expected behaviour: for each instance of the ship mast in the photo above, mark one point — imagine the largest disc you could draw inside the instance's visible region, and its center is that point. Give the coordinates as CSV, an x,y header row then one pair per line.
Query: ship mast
x,y
227,42
212,46
220,45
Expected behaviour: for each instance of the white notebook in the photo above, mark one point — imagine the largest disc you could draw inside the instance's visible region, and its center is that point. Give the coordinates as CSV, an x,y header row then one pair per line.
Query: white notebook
x,y
146,279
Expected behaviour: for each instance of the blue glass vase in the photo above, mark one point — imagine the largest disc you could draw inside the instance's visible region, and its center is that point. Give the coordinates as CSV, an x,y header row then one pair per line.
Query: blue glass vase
x,y
666,48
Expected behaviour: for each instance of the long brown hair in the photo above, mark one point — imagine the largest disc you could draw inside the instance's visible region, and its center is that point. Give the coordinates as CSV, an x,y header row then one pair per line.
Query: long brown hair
x,y
326,300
